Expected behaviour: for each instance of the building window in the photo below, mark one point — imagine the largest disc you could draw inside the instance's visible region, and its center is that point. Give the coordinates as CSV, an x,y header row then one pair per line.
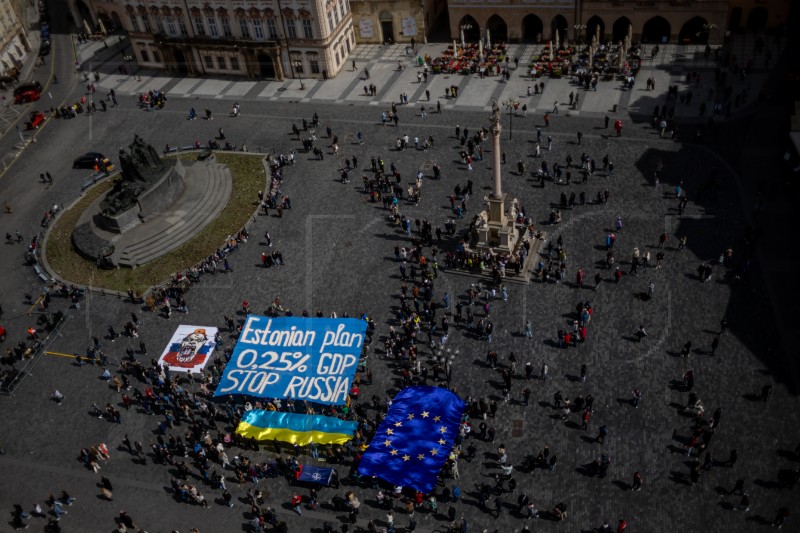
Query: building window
x,y
171,26
337,59
182,27
199,28
159,24
313,65
134,22
272,29
156,56
244,28
212,27
145,56
258,29
308,30
234,63
209,62
226,27
338,15
221,63
291,29
330,21
343,7
146,23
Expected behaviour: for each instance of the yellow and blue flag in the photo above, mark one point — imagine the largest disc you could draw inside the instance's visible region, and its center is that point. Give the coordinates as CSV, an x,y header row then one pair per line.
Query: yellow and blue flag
x,y
295,428
415,438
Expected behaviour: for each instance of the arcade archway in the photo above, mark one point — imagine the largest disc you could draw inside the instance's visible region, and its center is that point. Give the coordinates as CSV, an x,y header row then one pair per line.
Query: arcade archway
x,y
656,31
592,26
498,31
532,29
620,29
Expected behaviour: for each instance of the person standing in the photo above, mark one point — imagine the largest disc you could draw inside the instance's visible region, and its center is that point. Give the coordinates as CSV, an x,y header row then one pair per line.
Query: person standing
x,y
545,370
585,419
714,345
637,481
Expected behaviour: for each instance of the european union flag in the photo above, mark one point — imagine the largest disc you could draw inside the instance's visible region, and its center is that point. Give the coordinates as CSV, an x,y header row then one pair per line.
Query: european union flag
x,y
415,438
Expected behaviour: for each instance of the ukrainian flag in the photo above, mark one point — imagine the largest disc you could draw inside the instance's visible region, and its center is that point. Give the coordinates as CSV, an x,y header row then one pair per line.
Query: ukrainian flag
x,y
295,428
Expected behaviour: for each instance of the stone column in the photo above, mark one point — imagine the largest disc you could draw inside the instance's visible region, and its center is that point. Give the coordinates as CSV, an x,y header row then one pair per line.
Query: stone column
x,y
496,161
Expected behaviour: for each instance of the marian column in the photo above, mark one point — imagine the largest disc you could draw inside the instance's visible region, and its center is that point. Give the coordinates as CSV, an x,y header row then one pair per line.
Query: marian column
x,y
496,159
497,199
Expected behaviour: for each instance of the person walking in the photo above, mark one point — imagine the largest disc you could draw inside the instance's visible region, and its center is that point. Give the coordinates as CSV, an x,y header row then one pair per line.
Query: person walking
x,y
637,481
714,345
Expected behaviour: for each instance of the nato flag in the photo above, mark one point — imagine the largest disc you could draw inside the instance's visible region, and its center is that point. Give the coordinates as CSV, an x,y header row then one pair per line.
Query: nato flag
x,y
415,438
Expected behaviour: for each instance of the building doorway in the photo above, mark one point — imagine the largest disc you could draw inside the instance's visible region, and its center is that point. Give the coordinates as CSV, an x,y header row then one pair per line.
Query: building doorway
x,y
559,26
656,31
387,27
532,29
470,29
694,31
620,29
180,62
595,26
266,65
498,31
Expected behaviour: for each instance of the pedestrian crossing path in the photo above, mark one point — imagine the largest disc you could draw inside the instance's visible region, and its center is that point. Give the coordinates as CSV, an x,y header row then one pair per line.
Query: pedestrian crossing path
x,y
351,86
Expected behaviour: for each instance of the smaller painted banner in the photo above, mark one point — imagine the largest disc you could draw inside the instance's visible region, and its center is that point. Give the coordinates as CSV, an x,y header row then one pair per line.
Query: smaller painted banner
x,y
189,349
295,428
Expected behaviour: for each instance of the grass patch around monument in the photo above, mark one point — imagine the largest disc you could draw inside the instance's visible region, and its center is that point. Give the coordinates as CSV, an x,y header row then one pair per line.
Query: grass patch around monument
x,y
248,176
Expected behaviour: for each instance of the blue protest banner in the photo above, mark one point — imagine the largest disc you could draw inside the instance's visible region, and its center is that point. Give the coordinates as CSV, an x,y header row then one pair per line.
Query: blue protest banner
x,y
311,359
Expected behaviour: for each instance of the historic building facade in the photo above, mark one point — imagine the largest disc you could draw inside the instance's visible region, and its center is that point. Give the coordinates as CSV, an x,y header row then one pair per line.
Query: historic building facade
x,y
396,21
277,39
14,43
653,21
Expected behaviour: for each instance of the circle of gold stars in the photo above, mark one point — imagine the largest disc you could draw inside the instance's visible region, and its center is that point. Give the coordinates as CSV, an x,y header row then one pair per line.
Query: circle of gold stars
x,y
387,443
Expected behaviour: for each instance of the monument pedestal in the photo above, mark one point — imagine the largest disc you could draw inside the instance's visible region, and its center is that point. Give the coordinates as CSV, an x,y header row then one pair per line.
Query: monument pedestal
x,y
498,234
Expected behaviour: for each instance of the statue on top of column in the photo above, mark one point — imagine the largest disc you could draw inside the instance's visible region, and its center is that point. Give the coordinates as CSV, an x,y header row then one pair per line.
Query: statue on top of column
x,y
495,120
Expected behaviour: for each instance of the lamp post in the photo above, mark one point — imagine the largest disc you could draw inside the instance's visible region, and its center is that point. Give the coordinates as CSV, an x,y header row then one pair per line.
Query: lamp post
x,y
707,29
298,67
464,27
129,60
579,30
511,104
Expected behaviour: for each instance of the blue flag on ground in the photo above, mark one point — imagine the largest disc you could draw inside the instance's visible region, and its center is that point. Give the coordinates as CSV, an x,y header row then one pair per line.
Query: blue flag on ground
x,y
415,438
